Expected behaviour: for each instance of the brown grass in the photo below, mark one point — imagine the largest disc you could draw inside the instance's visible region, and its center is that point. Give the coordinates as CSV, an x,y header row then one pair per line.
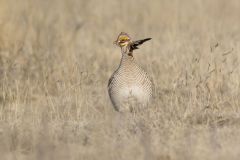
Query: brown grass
x,y
55,60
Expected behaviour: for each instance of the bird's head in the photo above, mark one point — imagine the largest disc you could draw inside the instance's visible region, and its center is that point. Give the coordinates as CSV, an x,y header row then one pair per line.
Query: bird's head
x,y
123,40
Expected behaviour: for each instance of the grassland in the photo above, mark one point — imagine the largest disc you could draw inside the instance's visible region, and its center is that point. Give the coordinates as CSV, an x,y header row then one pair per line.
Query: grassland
x,y
55,60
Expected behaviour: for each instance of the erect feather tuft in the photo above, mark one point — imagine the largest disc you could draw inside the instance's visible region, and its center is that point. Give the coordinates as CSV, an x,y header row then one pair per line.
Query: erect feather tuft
x,y
137,43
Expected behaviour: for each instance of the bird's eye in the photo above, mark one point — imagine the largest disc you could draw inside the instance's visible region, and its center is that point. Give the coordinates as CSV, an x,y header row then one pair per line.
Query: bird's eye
x,y
123,40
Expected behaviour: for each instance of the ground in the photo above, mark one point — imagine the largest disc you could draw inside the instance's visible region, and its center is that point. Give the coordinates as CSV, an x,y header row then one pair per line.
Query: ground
x,y
56,58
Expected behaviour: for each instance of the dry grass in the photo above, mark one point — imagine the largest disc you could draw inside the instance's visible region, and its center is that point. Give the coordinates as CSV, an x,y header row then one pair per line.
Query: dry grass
x,y
55,60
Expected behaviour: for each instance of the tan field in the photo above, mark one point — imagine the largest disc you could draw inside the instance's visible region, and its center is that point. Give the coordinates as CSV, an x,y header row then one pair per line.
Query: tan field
x,y
56,58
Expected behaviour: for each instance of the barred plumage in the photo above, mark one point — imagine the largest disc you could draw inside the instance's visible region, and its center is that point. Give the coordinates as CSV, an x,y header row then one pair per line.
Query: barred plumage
x,y
129,87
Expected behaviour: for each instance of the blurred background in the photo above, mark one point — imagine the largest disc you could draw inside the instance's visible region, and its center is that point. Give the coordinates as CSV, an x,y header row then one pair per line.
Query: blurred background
x,y
56,58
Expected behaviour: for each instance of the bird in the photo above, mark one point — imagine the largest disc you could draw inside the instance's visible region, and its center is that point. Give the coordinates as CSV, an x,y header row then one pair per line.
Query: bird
x,y
129,87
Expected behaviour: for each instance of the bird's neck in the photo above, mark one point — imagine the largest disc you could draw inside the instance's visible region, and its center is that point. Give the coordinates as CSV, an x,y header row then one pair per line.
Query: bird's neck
x,y
127,59
127,56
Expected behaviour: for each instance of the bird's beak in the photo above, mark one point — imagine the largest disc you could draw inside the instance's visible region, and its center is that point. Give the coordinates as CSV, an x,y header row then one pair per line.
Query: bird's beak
x,y
115,42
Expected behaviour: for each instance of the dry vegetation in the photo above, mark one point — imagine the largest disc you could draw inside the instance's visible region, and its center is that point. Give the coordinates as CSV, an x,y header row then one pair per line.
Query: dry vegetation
x,y
55,60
